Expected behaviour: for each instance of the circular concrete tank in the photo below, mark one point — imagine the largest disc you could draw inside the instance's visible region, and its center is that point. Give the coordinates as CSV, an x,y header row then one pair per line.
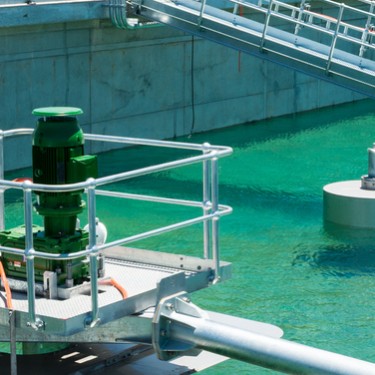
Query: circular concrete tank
x,y
347,203
352,203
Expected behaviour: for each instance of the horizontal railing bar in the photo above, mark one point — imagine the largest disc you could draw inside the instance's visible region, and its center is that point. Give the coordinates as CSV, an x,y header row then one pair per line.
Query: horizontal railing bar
x,y
41,254
155,199
293,7
220,151
131,141
156,143
166,229
150,198
18,131
156,168
223,210
105,180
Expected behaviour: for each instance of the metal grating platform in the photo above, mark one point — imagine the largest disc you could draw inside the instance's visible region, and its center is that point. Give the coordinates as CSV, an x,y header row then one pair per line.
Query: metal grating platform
x,y
146,275
136,278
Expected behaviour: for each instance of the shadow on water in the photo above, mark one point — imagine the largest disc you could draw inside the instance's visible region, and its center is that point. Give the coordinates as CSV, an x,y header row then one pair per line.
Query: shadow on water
x,y
345,252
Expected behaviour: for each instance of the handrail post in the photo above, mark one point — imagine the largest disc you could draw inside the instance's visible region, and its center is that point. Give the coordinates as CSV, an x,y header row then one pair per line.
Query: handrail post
x,y
302,9
29,255
266,23
363,48
200,18
366,30
215,220
91,204
207,251
334,39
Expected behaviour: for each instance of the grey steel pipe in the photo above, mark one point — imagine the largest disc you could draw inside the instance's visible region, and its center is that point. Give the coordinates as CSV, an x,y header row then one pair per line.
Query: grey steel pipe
x,y
276,354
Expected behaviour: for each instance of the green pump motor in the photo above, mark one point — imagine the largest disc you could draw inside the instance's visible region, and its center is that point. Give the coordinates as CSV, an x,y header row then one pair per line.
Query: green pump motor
x,y
58,158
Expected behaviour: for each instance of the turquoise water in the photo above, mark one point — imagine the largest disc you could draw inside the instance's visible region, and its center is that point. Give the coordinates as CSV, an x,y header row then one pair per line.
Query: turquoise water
x,y
287,271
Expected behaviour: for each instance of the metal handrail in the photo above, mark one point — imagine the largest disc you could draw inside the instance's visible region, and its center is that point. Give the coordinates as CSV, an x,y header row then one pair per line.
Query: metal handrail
x,y
333,47
302,16
210,206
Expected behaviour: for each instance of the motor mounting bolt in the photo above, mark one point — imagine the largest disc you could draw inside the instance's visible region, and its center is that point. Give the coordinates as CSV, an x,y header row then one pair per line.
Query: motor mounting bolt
x,y
169,306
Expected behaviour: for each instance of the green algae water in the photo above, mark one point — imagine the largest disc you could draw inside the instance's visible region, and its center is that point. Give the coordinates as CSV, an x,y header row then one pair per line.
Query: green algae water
x,y
287,270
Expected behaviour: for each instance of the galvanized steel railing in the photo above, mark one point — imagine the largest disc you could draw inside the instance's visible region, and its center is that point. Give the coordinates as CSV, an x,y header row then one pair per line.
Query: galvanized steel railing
x,y
211,209
326,39
335,25
188,326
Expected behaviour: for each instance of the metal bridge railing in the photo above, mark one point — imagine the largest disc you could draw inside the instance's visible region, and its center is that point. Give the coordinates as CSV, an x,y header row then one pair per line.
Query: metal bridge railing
x,y
302,16
328,40
338,25
211,209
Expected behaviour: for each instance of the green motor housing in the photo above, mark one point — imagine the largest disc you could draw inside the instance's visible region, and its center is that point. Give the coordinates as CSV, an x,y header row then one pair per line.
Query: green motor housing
x,y
58,159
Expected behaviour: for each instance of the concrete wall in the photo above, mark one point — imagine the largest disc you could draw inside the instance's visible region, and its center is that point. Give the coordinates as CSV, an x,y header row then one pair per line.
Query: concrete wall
x,y
154,83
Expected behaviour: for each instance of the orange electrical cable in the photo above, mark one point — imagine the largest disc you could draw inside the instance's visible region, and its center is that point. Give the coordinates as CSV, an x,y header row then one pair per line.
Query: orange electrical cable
x,y
113,282
22,179
8,292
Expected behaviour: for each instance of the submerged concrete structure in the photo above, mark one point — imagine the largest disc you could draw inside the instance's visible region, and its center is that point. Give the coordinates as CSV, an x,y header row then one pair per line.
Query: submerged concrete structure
x,y
154,82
